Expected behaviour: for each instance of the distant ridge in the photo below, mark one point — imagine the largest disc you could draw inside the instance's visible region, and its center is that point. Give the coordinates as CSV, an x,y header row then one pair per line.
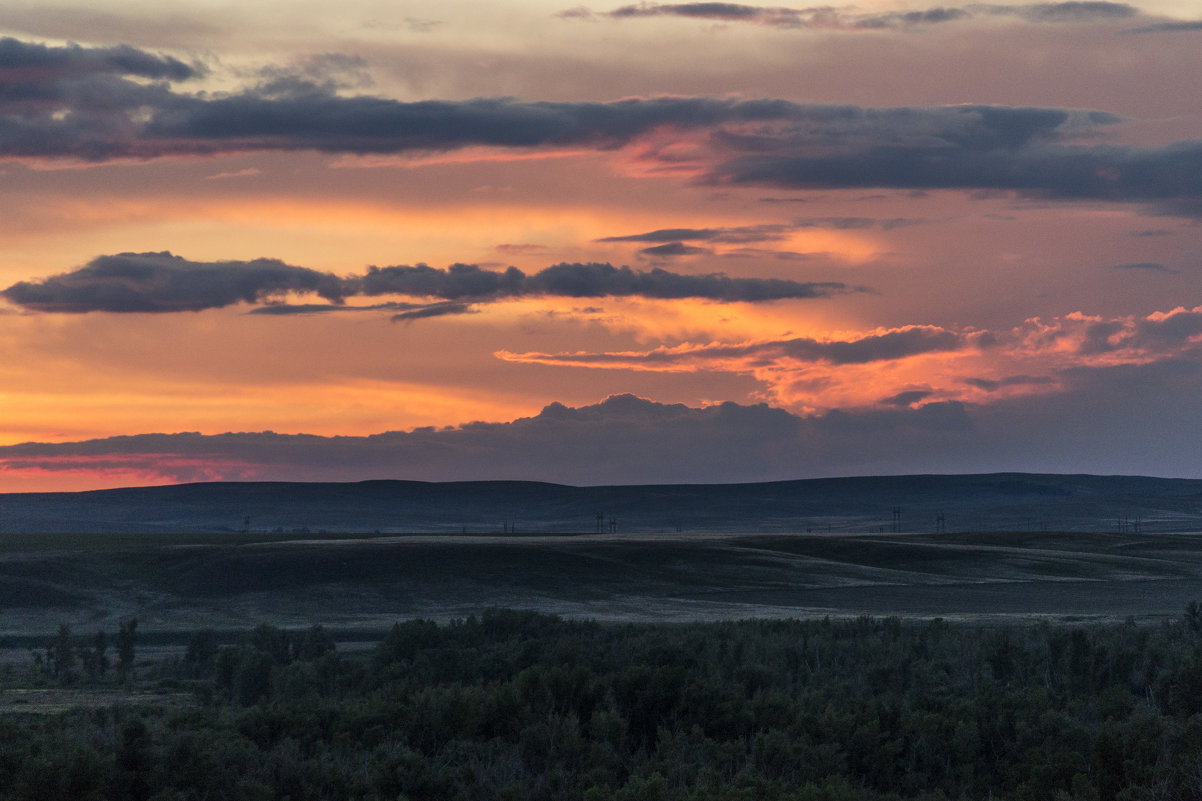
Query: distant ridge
x,y
925,503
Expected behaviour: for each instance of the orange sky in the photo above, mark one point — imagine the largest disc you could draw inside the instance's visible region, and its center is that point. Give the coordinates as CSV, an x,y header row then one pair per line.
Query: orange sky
x,y
996,215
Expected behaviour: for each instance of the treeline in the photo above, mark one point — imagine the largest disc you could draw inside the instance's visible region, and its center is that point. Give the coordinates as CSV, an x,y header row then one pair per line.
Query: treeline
x,y
518,705
64,654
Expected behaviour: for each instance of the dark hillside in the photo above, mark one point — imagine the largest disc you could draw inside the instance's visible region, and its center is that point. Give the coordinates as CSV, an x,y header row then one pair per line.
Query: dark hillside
x,y
1006,501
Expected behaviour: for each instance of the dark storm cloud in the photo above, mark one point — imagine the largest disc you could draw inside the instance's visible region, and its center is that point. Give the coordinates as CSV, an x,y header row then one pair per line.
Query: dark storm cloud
x,y
162,282
590,280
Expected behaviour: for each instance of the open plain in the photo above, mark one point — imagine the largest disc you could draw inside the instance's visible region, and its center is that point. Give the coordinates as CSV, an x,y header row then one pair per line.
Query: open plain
x,y
229,556
357,584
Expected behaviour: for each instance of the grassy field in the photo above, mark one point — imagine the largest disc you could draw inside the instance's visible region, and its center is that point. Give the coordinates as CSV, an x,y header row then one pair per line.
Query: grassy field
x,y
181,583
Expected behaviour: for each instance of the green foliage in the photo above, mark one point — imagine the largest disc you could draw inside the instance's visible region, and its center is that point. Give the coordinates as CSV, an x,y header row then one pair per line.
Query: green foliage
x,y
517,705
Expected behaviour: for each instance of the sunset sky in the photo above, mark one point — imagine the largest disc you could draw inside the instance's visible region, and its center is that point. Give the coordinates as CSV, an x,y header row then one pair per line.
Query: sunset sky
x,y
597,243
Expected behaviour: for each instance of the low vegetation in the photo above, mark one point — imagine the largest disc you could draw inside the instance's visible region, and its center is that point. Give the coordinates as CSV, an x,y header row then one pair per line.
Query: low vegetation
x,y
519,705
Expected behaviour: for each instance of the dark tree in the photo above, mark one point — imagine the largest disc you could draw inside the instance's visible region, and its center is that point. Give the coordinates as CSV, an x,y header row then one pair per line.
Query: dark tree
x,y
95,659
202,649
60,654
127,636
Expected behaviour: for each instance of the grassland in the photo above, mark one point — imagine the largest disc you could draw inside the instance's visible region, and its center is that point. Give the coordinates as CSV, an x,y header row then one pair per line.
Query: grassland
x,y
363,584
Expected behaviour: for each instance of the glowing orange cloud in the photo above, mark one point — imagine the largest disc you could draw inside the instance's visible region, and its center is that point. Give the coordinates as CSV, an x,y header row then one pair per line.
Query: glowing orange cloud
x,y
913,364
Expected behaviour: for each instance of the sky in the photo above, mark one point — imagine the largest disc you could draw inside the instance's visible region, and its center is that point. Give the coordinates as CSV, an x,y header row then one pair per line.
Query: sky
x,y
597,244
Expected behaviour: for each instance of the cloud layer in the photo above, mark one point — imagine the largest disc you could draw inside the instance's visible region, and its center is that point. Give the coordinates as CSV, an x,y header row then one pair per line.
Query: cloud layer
x,y
836,19
626,440
912,364
97,104
163,282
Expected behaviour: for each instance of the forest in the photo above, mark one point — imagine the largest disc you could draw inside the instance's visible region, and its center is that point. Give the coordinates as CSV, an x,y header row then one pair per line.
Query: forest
x,y
521,705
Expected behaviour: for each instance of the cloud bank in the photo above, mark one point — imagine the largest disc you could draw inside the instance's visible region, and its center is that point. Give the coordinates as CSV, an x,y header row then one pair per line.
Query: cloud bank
x,y
100,104
163,282
897,344
626,440
837,19
885,367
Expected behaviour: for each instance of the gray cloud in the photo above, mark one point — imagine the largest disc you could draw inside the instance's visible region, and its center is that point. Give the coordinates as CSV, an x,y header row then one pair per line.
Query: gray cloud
x,y
115,112
162,282
768,232
768,253
89,103
622,440
1144,266
31,62
878,347
891,345
675,234
288,309
906,398
830,18
1099,421
324,73
993,385
325,121
672,249
1177,26
590,280
1011,149
444,309
1176,328
1087,11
